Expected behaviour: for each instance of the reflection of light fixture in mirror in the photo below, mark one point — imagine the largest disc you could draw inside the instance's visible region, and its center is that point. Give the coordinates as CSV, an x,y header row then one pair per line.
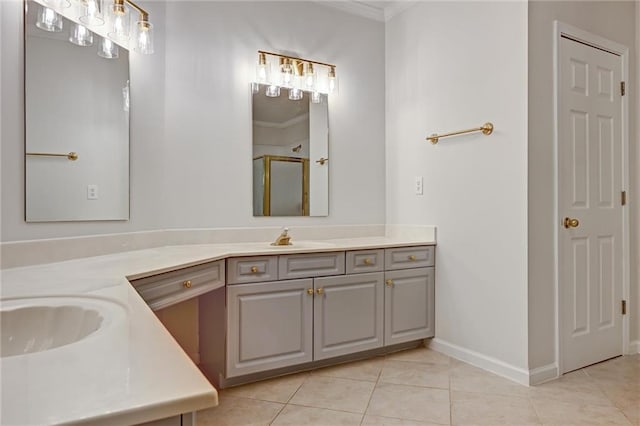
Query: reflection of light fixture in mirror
x,y
125,97
296,148
295,94
49,20
309,77
119,21
93,13
108,49
80,35
255,87
316,97
58,4
263,69
333,81
272,91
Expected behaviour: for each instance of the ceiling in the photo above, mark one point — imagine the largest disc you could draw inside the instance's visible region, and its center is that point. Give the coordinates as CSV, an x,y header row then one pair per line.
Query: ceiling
x,y
378,10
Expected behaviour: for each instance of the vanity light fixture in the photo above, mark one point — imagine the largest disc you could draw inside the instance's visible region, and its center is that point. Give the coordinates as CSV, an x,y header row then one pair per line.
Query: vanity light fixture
x,y
93,14
296,74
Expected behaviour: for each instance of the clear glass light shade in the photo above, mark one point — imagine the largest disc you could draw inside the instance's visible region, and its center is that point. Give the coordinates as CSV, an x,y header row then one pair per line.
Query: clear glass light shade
x,y
309,78
255,87
286,78
49,20
119,21
333,86
273,91
143,37
295,94
263,72
108,49
316,98
93,12
80,35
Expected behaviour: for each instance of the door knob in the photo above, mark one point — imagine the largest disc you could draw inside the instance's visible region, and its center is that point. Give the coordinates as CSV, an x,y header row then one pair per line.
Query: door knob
x,y
570,223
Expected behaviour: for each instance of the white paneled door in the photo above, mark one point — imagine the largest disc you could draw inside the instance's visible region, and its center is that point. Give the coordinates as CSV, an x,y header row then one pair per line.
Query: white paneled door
x,y
589,201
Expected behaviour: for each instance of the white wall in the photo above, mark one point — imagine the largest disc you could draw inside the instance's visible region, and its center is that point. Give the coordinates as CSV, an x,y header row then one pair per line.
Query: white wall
x,y
450,66
191,116
609,19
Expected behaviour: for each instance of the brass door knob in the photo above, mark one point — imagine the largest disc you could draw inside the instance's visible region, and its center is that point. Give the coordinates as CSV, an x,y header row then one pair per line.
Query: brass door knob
x,y
412,258
186,284
389,283
570,223
254,269
309,291
320,290
367,261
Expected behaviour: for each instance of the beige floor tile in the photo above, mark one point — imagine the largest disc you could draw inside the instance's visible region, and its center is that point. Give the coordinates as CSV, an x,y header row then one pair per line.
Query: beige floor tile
x,y
416,374
334,394
239,412
423,355
467,378
280,389
389,421
624,369
632,414
575,387
554,412
410,402
622,394
470,408
296,415
368,370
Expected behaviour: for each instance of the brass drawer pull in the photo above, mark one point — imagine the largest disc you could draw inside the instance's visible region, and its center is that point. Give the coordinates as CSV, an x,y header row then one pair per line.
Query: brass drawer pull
x,y
309,291
254,269
368,261
389,283
412,257
320,290
186,284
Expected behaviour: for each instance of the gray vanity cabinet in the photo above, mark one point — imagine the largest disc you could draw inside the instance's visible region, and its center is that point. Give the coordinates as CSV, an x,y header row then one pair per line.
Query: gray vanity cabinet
x,y
269,325
348,314
409,312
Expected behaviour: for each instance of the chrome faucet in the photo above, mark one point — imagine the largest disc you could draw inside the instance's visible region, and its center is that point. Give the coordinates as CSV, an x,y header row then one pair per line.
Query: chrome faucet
x,y
283,239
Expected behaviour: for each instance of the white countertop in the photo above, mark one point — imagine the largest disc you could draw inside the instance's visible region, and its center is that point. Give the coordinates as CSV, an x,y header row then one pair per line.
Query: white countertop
x,y
131,370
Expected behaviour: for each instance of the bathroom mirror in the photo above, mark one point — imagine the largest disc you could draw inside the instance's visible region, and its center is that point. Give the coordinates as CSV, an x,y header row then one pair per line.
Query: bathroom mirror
x,y
290,154
76,125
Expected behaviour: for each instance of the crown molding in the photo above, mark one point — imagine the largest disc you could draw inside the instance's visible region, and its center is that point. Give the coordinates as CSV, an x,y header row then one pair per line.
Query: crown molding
x,y
365,10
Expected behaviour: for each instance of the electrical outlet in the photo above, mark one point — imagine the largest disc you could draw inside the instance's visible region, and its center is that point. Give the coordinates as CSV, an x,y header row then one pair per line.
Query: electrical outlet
x,y
418,185
92,192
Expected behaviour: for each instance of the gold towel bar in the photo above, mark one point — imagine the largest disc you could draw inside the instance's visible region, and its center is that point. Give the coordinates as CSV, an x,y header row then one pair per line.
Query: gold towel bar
x,y
73,156
486,128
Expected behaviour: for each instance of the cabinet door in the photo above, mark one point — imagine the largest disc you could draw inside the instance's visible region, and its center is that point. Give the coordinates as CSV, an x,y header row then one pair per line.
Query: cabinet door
x,y
409,312
270,325
348,314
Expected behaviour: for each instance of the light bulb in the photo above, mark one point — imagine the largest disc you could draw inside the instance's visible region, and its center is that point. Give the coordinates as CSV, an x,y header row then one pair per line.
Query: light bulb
x,y
48,20
272,91
119,21
108,49
80,35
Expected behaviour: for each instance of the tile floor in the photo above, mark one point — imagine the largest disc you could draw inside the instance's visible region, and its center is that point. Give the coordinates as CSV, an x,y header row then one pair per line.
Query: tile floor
x,y
423,387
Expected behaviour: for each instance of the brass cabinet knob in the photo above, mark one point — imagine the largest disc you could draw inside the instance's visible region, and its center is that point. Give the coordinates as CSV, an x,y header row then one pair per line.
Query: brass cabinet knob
x,y
570,223
412,258
254,269
389,283
186,284
320,290
309,291
367,261
322,160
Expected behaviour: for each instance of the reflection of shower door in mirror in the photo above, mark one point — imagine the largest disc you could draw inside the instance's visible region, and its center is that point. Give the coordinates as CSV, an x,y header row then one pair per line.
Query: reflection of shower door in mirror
x,y
283,186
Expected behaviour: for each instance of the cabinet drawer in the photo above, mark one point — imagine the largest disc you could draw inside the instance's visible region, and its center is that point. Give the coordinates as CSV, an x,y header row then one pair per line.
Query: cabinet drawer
x,y
310,265
409,257
254,269
365,261
162,290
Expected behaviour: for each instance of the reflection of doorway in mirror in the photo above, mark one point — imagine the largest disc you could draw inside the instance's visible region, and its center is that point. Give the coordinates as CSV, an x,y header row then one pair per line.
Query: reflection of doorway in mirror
x,y
281,186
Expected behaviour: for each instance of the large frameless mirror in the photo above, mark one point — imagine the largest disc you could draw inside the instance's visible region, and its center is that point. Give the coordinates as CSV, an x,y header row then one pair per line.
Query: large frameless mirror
x,y
290,153
76,121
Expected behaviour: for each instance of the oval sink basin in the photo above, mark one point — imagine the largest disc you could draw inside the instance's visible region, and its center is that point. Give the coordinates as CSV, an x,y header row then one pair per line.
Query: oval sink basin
x,y
40,324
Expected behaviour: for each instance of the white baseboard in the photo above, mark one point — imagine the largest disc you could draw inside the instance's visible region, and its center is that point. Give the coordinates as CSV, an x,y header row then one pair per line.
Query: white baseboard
x,y
543,374
477,359
634,347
